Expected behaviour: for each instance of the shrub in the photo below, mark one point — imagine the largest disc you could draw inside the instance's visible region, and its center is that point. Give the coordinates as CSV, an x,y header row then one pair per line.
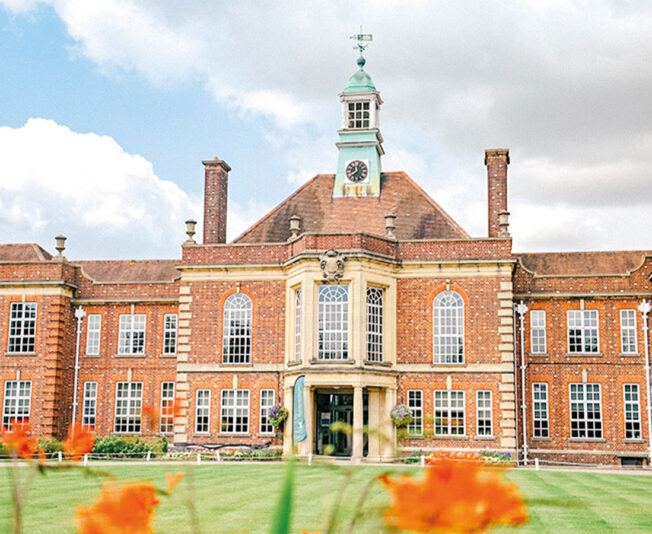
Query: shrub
x,y
129,446
50,446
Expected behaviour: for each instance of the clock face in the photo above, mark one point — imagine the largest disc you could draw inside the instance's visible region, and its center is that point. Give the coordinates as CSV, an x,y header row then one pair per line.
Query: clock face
x,y
357,171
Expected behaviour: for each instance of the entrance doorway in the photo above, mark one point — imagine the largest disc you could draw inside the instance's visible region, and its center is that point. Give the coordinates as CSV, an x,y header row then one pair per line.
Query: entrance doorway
x,y
331,408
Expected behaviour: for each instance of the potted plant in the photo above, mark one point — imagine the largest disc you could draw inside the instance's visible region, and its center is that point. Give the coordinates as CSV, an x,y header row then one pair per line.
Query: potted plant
x,y
401,415
277,416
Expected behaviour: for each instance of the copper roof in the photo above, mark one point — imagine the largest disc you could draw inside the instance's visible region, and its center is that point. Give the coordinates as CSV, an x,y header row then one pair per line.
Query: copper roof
x,y
125,271
23,252
417,215
582,263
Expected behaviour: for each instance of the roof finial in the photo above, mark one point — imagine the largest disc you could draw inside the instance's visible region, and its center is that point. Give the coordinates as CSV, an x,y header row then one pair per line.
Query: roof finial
x,y
361,37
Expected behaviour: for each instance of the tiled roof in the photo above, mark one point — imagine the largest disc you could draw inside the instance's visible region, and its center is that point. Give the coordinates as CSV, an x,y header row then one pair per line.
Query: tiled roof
x,y
23,252
582,263
130,270
417,215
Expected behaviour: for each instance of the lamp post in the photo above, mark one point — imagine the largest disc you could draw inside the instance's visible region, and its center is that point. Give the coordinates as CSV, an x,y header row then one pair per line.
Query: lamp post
x,y
521,309
79,314
645,308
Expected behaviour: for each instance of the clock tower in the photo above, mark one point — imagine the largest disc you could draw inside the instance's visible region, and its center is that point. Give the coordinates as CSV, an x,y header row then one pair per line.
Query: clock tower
x,y
360,143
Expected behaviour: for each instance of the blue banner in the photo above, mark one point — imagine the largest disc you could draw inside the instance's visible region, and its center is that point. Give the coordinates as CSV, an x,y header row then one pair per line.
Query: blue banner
x,y
298,412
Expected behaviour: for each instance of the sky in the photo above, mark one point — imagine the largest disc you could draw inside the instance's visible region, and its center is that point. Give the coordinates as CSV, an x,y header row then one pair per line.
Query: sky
x,y
108,107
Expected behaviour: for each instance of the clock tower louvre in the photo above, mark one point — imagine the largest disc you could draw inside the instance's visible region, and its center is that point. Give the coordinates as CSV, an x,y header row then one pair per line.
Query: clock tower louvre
x,y
360,141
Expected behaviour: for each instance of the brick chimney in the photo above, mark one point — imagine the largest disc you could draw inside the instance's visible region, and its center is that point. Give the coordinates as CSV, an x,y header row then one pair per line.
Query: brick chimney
x,y
496,160
215,200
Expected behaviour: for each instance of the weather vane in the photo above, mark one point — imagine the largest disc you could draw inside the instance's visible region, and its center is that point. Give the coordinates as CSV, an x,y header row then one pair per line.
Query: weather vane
x,y
361,37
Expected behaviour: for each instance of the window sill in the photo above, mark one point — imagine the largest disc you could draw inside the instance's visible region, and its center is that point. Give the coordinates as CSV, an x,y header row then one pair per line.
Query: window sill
x,y
629,355
233,435
139,356
484,438
540,438
587,440
634,440
171,356
294,363
456,438
238,365
265,435
456,364
333,362
377,364
14,354
538,355
92,356
584,354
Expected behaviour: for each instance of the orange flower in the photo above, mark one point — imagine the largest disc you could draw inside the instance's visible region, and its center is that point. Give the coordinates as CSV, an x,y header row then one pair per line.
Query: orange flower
x,y
120,509
80,441
18,439
454,496
173,480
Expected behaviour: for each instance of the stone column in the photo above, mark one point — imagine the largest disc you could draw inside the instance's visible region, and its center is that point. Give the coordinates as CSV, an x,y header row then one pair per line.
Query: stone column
x,y
358,416
288,396
389,432
375,429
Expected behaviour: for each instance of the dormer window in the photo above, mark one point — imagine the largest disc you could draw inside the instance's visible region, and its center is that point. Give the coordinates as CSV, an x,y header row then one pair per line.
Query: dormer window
x,y
358,115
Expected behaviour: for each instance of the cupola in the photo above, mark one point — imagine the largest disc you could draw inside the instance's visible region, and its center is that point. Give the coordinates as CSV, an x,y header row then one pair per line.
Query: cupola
x,y
360,141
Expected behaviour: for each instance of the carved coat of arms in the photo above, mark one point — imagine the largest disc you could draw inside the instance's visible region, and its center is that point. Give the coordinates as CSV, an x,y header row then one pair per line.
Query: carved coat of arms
x,y
332,265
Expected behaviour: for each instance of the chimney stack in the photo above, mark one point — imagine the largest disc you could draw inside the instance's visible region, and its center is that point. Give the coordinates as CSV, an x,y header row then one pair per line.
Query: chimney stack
x,y
496,160
215,200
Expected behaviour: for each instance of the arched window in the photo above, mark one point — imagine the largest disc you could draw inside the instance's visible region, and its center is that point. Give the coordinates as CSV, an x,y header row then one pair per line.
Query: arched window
x,y
448,328
236,336
333,323
374,324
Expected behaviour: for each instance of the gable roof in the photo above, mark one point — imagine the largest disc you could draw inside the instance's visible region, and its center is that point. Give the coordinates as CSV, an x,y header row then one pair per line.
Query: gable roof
x,y
23,252
417,215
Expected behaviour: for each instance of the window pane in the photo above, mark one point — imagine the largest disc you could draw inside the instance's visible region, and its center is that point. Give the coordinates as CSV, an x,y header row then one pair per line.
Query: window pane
x,y
236,336
333,322
448,328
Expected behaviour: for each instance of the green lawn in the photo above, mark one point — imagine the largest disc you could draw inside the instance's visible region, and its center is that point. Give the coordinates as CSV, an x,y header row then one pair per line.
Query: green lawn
x,y
241,497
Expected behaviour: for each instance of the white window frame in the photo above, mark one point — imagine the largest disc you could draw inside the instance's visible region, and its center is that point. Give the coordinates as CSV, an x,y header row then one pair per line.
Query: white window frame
x,y
632,411
233,408
628,341
358,114
484,413
579,425
448,407
93,334
22,328
166,425
202,411
415,404
448,328
538,341
298,297
17,404
267,399
333,322
375,310
170,322
132,332
540,410
130,409
236,329
580,318
89,405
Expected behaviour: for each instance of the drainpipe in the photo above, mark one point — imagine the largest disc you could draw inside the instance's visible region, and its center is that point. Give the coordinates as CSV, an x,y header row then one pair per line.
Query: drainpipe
x,y
516,384
79,314
521,309
645,308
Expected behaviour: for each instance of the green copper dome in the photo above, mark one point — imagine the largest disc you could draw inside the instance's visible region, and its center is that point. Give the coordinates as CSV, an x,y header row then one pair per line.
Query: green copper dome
x,y
360,82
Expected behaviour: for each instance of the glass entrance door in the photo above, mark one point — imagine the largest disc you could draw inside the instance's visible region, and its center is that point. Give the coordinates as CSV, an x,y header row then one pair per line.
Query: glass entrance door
x,y
331,408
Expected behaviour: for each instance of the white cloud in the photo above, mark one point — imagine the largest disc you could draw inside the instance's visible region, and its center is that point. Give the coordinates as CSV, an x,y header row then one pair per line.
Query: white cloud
x,y
564,85
106,201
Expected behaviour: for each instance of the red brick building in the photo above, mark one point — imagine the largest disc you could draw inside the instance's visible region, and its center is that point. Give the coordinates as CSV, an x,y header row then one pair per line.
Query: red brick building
x,y
363,286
